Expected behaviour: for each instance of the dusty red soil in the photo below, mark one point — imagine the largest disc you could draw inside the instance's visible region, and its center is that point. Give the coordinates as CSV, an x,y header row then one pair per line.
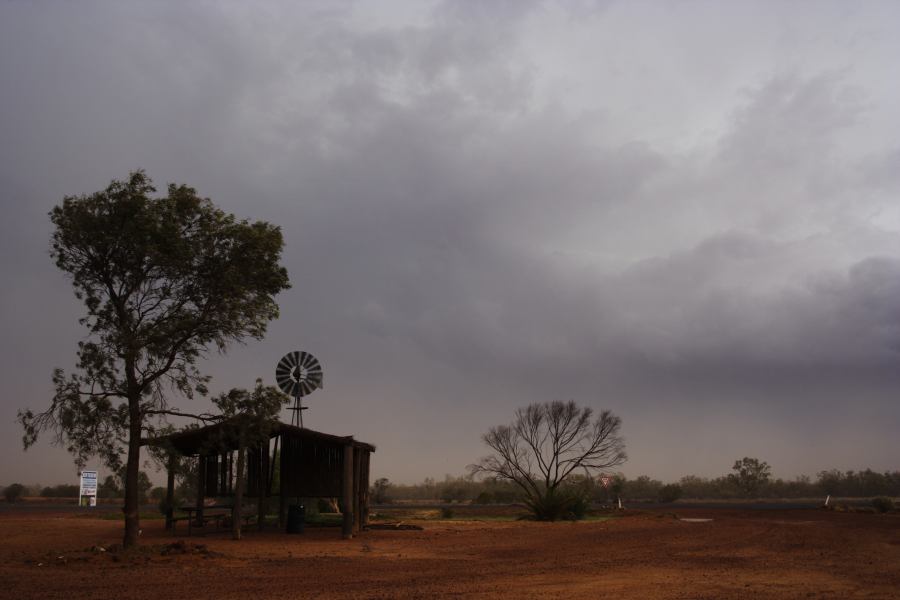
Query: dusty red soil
x,y
740,554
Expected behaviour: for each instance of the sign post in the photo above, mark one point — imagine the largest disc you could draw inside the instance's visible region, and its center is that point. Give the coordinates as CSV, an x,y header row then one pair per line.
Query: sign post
x,y
88,487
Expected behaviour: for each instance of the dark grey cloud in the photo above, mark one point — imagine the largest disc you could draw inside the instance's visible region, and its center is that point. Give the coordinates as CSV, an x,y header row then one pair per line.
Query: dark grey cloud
x,y
488,205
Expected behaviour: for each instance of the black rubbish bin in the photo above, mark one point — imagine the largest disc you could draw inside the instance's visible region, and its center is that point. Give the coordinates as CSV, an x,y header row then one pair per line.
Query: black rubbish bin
x,y
296,517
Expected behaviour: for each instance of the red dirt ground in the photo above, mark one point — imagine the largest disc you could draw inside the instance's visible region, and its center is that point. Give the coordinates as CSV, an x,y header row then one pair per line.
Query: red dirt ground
x,y
740,554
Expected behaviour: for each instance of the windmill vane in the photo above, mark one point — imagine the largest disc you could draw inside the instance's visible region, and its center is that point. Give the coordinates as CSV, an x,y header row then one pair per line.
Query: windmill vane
x,y
298,374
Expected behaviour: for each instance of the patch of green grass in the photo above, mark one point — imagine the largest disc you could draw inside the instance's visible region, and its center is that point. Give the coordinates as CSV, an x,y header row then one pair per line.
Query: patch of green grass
x,y
598,518
325,519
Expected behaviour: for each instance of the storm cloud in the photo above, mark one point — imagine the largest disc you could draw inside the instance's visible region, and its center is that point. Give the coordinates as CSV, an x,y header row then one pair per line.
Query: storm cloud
x,y
687,213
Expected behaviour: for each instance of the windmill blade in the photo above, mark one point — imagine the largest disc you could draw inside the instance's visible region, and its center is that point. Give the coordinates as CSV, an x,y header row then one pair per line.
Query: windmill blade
x,y
299,373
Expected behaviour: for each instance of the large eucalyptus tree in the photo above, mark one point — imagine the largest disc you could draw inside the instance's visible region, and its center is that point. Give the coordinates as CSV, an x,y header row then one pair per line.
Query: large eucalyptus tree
x,y
164,280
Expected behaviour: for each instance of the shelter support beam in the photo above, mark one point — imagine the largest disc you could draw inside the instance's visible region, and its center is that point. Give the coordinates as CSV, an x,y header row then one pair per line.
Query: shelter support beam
x,y
262,484
201,486
348,493
357,492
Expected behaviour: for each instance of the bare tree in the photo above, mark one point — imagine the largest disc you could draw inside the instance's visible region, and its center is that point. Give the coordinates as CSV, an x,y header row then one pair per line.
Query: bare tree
x,y
545,444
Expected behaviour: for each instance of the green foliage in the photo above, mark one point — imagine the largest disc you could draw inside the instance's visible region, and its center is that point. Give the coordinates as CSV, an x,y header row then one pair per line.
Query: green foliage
x,y
750,475
163,504
60,491
670,493
644,488
247,417
561,503
859,484
111,487
162,280
546,446
578,507
485,498
380,491
14,492
883,504
641,488
452,492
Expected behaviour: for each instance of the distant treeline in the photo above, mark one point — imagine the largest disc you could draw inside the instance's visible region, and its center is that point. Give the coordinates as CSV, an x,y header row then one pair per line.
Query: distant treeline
x,y
851,484
848,484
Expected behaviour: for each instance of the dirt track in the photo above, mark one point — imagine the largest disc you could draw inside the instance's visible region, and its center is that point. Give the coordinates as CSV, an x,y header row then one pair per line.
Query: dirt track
x,y
740,554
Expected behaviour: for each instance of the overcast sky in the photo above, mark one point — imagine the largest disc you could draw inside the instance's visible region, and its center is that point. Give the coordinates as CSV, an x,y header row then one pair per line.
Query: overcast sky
x,y
686,212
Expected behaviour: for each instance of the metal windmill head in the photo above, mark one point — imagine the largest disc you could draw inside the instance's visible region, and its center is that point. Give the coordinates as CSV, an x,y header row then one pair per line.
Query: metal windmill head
x,y
298,374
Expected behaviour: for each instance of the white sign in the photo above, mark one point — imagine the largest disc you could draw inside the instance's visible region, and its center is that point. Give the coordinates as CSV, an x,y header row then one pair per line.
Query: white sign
x,y
605,481
88,484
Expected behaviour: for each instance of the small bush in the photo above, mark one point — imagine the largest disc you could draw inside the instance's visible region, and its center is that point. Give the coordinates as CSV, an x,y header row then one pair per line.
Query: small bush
x,y
577,508
60,491
446,513
883,504
484,498
164,505
669,493
561,504
14,492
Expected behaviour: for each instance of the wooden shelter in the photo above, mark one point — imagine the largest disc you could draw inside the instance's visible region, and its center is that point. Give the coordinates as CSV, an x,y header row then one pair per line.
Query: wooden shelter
x,y
311,465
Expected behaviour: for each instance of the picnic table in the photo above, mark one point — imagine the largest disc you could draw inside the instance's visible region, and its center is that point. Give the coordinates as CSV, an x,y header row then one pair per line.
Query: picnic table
x,y
215,513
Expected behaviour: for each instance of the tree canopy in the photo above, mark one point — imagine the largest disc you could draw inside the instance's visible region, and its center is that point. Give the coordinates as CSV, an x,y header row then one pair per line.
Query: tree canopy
x,y
750,474
163,281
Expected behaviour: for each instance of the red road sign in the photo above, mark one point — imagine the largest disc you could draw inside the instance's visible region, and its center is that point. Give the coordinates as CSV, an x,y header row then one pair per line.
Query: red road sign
x,y
605,481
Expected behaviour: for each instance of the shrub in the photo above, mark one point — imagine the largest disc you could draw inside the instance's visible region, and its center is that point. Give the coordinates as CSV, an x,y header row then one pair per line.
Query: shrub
x,y
164,505
446,513
484,498
560,504
60,491
883,504
577,508
380,491
670,493
14,492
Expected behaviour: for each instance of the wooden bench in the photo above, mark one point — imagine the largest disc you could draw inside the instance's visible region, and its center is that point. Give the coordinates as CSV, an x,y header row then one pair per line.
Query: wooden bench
x,y
218,517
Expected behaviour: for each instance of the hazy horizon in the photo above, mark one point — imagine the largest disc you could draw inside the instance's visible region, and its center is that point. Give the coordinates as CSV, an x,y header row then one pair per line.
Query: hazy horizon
x,y
686,213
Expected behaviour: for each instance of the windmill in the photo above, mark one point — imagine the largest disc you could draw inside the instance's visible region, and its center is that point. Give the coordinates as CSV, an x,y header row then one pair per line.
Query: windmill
x,y
298,374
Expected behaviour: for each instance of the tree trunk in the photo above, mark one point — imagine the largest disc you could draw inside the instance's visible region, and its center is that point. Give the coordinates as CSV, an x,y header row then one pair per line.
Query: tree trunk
x,y
170,491
132,467
238,495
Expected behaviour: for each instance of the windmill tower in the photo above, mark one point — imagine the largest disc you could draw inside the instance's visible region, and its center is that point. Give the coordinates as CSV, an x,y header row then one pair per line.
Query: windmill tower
x,y
298,374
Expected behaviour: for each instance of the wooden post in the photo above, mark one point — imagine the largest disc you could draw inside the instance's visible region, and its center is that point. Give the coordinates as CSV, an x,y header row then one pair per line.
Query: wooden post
x,y
347,489
282,501
357,491
364,489
238,494
201,488
262,472
170,491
